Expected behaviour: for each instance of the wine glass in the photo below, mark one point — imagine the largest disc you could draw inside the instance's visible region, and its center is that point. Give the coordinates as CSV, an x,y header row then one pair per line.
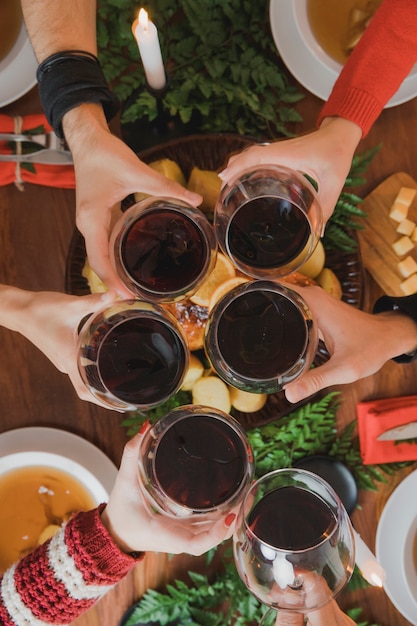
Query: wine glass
x,y
293,543
162,249
260,336
195,464
268,221
132,355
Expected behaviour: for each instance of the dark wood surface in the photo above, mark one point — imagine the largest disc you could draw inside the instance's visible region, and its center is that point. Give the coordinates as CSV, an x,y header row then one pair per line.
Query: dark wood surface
x,y
36,226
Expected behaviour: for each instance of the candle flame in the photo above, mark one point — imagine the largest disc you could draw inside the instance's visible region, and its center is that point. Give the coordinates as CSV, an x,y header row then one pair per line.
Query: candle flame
x,y
143,19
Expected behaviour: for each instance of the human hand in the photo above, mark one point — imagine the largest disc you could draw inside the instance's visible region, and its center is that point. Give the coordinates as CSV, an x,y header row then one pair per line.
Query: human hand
x,y
349,334
50,321
134,528
330,614
106,172
325,155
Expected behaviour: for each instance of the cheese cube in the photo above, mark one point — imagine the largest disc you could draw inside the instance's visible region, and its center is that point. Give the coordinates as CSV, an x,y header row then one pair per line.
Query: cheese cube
x,y
407,267
406,227
403,245
409,285
398,211
414,235
406,195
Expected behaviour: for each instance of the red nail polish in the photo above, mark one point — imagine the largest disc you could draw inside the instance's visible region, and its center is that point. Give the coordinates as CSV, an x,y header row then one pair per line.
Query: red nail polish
x,y
144,427
230,519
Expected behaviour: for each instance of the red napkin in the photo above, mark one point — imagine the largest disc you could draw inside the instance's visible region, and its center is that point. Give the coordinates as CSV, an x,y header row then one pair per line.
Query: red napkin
x,y
377,416
37,173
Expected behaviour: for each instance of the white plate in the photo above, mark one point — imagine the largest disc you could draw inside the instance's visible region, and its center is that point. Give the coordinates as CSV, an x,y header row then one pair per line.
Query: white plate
x,y
77,455
397,517
17,70
307,61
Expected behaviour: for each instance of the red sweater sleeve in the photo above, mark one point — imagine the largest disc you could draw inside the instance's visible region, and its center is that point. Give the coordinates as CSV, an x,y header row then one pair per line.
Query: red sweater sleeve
x,y
377,66
63,577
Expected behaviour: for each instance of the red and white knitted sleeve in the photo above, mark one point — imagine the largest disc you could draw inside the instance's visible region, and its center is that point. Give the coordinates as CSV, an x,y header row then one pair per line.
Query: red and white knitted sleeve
x,y
65,576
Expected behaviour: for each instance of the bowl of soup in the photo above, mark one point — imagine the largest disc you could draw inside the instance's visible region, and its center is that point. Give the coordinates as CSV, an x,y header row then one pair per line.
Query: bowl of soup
x,y
39,492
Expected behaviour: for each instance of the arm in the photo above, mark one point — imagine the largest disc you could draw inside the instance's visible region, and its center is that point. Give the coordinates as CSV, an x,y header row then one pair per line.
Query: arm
x,y
50,321
91,553
359,343
106,170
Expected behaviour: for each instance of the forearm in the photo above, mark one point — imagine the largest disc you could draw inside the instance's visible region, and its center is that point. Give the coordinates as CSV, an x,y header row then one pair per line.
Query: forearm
x,y
65,25
67,575
403,312
15,308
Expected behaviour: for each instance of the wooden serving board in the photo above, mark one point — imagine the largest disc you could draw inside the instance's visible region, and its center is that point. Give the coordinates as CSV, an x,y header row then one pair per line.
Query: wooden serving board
x,y
379,234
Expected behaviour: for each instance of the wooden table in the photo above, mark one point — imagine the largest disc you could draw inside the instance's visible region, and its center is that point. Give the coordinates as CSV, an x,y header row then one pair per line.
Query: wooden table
x,y
35,231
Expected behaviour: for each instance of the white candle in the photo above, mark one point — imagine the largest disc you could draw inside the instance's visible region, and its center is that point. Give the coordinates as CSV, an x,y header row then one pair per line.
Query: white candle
x,y
146,35
371,570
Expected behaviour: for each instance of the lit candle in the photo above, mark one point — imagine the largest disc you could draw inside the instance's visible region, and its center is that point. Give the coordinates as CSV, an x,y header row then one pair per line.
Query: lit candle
x,y
283,571
146,35
371,570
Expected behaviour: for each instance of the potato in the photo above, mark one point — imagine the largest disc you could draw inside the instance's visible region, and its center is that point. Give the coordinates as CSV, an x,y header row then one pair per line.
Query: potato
x,y
48,532
330,282
313,266
94,282
213,392
168,168
208,184
246,401
194,372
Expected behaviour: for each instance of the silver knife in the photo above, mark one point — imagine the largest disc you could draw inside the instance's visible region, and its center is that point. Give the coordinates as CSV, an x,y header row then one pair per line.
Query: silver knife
x,y
46,156
405,431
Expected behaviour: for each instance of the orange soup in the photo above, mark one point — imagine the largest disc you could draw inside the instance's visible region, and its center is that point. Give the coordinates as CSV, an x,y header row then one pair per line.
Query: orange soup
x,y
338,24
35,501
10,24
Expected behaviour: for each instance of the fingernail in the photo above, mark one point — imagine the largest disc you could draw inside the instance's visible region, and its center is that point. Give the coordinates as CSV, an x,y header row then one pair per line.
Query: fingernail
x,y
144,427
230,519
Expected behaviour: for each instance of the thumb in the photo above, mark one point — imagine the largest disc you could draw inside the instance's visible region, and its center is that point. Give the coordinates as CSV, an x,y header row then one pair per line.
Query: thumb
x,y
307,385
96,301
129,461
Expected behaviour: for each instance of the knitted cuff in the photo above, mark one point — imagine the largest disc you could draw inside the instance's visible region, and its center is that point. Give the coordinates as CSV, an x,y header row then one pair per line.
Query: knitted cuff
x,y
94,551
403,304
70,78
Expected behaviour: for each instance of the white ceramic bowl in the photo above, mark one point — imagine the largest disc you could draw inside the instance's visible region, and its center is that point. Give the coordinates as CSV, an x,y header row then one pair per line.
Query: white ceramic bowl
x,y
17,70
410,560
394,538
47,459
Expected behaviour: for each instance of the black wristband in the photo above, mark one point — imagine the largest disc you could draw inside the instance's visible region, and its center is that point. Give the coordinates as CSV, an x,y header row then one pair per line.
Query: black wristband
x,y
70,78
407,305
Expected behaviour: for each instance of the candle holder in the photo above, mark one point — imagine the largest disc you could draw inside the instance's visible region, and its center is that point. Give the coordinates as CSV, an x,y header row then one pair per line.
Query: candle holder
x,y
145,133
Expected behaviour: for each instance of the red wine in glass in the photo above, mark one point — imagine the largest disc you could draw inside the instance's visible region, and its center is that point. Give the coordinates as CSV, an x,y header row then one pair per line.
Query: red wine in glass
x,y
132,358
163,250
293,543
259,336
267,233
268,221
195,462
291,518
